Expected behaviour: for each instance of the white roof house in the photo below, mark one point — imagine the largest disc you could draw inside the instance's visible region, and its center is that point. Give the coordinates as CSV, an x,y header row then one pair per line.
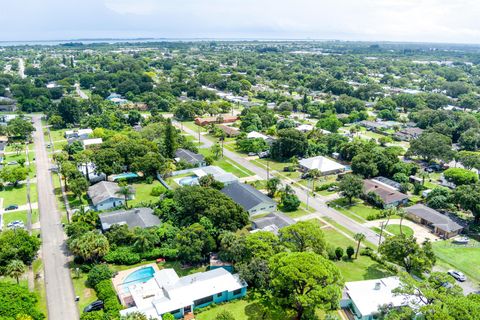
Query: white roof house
x,y
304,127
91,142
322,164
167,292
363,298
255,134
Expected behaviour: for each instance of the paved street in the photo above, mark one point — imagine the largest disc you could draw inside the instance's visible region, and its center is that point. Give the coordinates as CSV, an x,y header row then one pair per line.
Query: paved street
x,y
59,288
317,203
79,91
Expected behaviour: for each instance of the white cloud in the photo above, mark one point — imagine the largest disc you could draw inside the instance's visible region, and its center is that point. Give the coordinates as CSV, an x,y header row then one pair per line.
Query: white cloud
x,y
396,20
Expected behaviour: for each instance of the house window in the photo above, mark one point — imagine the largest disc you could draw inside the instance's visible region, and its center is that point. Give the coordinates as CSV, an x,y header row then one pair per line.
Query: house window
x,y
203,300
175,311
219,294
236,292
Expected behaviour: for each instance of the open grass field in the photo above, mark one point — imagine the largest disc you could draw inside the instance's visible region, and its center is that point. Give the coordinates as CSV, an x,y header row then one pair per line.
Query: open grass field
x,y
465,258
142,193
14,195
19,215
395,229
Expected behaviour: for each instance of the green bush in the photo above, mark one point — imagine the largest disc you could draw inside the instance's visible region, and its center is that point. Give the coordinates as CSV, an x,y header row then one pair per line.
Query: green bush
x,y
225,315
94,315
157,190
107,294
350,252
122,255
98,273
338,253
160,253
325,186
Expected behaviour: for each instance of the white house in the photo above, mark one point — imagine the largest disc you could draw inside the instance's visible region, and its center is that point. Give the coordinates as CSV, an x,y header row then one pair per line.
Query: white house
x,y
322,164
166,292
361,299
78,134
91,142
105,195
255,135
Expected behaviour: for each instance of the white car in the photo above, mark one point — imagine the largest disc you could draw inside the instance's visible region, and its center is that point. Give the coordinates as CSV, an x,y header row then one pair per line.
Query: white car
x,y
457,275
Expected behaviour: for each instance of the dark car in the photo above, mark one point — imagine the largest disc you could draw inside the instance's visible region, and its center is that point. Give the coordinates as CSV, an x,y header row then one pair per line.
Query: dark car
x,y
94,306
11,207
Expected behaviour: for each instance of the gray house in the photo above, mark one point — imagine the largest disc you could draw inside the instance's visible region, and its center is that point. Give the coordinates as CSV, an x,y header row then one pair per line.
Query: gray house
x,y
252,200
440,224
192,158
138,217
272,222
105,195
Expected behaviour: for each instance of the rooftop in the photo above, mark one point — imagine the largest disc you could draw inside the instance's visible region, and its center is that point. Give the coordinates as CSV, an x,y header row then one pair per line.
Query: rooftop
x,y
138,217
272,222
246,195
434,217
189,156
321,163
102,191
386,193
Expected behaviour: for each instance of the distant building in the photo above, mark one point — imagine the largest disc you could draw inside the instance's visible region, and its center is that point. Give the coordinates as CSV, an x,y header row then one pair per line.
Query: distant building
x,y
166,292
408,134
362,299
322,164
272,222
7,104
229,131
220,119
304,128
252,200
117,99
105,195
192,158
91,142
389,196
93,175
80,134
137,217
440,224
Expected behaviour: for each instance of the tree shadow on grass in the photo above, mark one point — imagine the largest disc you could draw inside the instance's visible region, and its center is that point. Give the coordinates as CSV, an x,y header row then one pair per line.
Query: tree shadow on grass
x,y
376,271
256,311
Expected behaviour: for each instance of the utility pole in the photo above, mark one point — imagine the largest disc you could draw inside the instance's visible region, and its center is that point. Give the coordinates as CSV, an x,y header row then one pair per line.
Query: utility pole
x,y
308,193
268,169
198,134
381,232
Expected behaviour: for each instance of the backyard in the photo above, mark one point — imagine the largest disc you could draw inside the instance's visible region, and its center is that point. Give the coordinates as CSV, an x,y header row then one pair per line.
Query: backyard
x,y
465,258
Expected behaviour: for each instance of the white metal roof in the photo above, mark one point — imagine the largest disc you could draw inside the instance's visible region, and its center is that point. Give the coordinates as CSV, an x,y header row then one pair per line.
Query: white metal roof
x,y
321,163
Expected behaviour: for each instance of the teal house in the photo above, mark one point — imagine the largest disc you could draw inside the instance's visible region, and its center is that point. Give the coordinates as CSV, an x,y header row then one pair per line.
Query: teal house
x,y
166,292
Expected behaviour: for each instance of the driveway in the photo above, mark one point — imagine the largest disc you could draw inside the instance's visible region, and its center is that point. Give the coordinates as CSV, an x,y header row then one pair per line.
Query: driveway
x,y
318,203
60,295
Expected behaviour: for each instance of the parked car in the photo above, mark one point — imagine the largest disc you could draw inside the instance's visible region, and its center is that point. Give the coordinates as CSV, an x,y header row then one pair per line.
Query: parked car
x,y
263,154
12,163
252,154
457,275
17,224
11,207
94,306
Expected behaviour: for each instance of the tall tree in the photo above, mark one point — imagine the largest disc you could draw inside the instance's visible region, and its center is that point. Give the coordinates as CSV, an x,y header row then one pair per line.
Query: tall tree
x,y
304,281
15,269
359,237
170,141
126,191
351,186
304,236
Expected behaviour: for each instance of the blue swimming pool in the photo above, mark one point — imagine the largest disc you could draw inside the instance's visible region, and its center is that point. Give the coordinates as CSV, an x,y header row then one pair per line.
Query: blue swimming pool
x,y
188,181
139,276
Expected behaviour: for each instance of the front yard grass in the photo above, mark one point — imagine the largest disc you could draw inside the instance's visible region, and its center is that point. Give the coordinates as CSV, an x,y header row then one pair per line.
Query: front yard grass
x,y
228,165
86,295
19,215
359,211
465,258
14,195
395,229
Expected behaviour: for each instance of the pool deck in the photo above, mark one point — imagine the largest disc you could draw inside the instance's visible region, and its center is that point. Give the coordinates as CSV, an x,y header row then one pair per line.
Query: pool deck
x,y
120,278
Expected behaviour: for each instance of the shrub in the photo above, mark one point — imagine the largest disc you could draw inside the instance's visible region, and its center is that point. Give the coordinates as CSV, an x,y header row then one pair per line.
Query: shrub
x,y
325,186
339,253
98,273
94,315
155,253
225,315
157,190
149,180
107,294
331,253
122,255
290,202
350,252
168,316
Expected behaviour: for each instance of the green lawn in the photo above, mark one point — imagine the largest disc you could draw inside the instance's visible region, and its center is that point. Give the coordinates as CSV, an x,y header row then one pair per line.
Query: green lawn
x,y
301,211
359,211
57,135
19,215
87,295
244,309
142,193
395,229
192,126
40,286
465,258
228,165
14,195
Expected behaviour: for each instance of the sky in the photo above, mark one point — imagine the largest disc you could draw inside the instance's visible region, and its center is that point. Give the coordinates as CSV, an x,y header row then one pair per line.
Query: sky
x,y
454,21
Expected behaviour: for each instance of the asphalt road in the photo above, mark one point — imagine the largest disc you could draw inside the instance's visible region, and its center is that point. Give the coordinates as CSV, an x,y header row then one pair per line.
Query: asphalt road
x,y
60,295
79,91
320,206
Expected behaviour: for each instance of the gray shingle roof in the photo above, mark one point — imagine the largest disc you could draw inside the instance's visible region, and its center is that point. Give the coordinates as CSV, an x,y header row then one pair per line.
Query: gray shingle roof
x,y
189,156
138,217
434,217
102,191
246,195
277,219
387,194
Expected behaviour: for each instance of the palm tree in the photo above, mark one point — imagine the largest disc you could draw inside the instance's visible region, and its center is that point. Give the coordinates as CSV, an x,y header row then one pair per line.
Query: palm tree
x,y
424,175
402,214
15,269
18,147
126,192
314,174
359,237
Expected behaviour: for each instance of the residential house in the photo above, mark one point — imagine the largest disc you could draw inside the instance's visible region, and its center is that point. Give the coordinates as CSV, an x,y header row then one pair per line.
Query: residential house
x,y
80,134
362,299
258,135
374,126
305,128
439,223
220,119
137,217
192,158
387,182
93,175
166,292
322,164
229,131
8,105
117,99
408,134
389,196
218,174
105,195
5,119
252,200
272,222
91,142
